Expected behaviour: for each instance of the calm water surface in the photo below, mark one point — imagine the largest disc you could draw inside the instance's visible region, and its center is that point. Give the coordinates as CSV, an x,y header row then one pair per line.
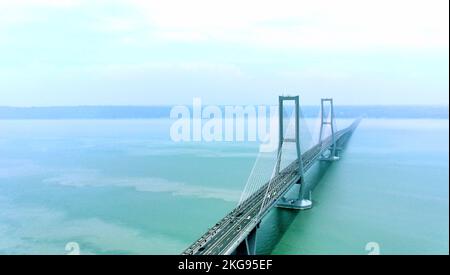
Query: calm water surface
x,y
121,186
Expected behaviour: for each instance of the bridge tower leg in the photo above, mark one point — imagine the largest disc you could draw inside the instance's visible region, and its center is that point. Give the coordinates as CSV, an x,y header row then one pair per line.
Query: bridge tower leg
x,y
301,202
248,246
324,122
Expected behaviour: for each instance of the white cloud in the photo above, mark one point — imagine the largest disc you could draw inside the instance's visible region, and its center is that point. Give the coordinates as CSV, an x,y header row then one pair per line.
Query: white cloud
x,y
346,24
139,39
321,24
14,12
316,73
124,70
38,3
116,24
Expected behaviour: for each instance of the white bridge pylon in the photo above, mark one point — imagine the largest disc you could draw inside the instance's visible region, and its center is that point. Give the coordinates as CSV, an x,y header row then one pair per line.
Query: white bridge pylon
x,y
328,128
294,137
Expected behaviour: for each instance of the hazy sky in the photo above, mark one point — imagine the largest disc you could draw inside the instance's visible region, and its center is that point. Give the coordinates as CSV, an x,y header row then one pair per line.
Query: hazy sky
x,y
140,52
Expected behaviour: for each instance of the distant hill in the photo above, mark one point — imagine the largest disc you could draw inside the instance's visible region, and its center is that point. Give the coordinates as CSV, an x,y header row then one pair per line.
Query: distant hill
x,y
142,112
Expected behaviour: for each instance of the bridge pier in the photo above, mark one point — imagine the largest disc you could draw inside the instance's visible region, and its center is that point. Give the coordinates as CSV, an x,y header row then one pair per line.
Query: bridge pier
x,y
301,202
330,158
248,246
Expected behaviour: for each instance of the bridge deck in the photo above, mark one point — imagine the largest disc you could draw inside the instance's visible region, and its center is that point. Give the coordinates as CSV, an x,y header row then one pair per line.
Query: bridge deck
x,y
229,232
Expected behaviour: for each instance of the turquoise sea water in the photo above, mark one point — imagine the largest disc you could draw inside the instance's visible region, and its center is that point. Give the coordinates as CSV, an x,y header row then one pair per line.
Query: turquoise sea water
x,y
122,186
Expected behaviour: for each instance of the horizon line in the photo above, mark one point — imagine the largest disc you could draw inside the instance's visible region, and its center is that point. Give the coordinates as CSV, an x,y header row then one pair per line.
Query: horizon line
x,y
222,105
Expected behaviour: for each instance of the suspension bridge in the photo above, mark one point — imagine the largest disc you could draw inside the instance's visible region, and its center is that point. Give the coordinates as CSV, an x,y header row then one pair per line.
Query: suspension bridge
x,y
273,176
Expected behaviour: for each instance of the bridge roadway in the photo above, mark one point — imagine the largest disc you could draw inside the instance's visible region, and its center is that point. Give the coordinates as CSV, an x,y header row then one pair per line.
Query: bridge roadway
x,y
229,232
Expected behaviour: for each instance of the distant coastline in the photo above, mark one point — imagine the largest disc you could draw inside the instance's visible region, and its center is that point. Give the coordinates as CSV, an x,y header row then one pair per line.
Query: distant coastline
x,y
147,112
